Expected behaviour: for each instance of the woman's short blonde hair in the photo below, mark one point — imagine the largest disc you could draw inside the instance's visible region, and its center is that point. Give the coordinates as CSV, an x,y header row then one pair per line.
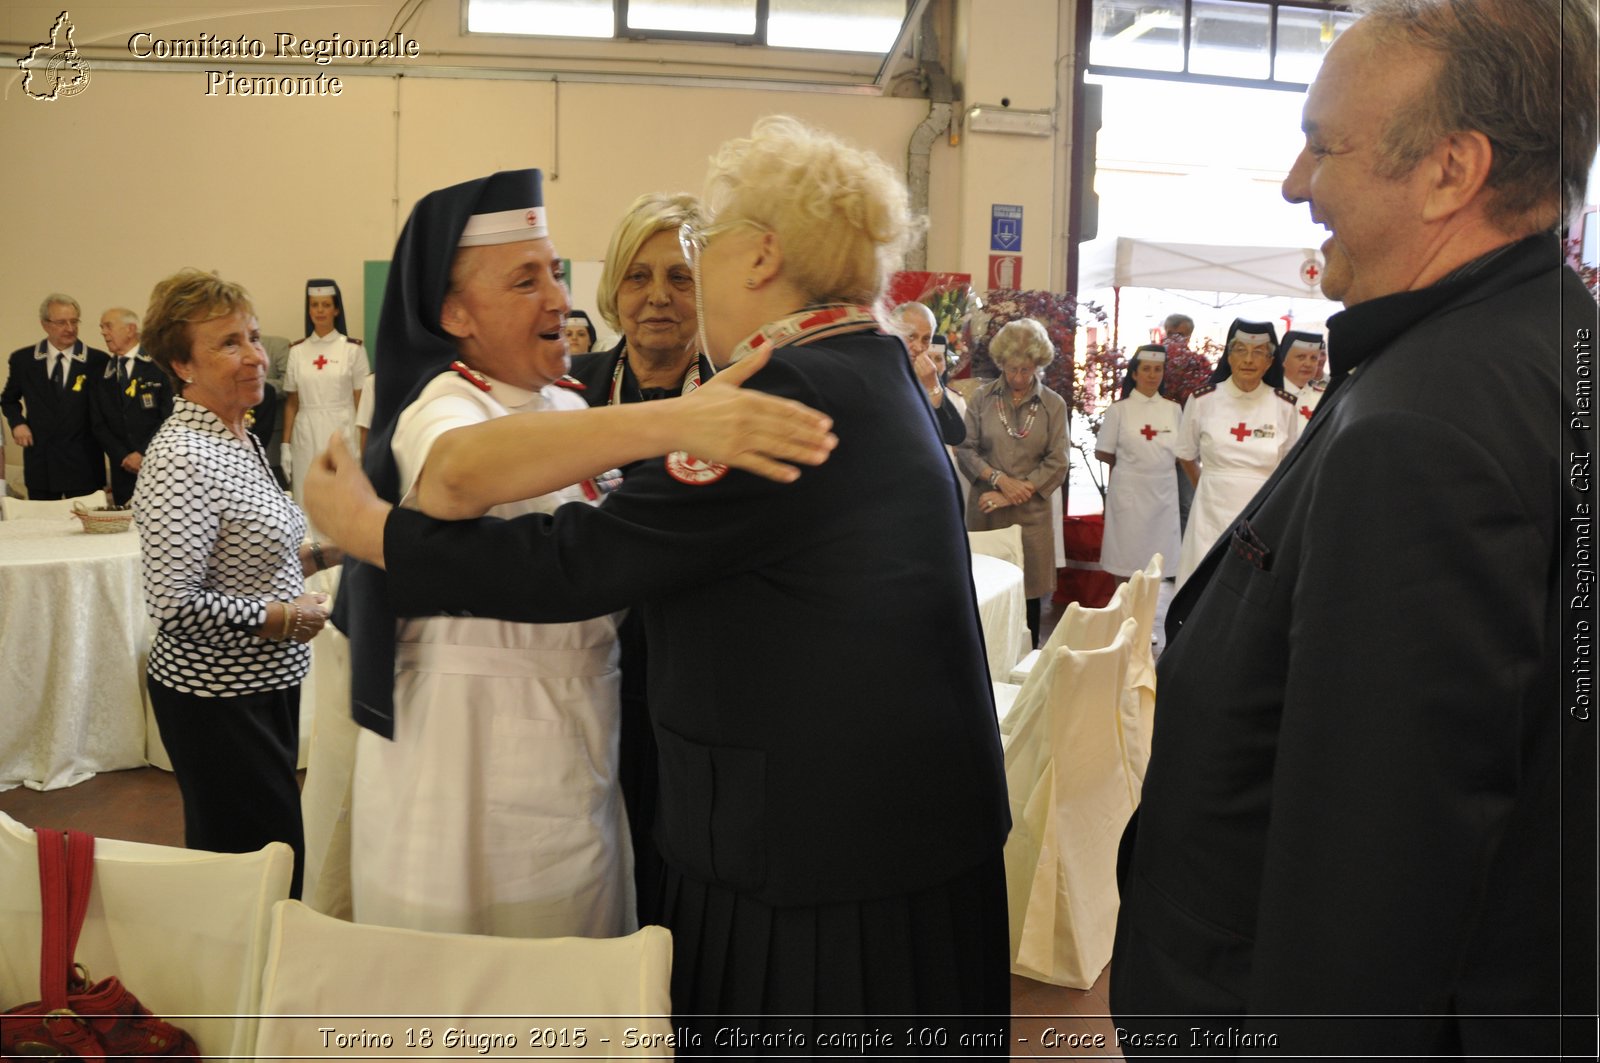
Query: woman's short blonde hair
x,y
651,213
1020,342
188,297
841,215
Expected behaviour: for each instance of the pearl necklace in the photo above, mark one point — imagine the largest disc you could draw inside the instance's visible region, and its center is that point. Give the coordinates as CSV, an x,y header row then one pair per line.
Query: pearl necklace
x,y
1027,425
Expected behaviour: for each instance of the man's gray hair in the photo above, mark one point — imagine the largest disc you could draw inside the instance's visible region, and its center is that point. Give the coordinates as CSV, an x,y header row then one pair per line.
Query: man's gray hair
x,y
1520,73
57,297
123,316
1174,321
914,307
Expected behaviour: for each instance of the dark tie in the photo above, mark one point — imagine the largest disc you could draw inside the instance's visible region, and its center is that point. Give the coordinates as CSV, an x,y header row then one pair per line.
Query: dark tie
x,y
61,371
122,371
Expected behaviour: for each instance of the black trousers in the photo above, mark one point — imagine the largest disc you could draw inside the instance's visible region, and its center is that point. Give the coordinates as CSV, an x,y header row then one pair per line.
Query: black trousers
x,y
235,762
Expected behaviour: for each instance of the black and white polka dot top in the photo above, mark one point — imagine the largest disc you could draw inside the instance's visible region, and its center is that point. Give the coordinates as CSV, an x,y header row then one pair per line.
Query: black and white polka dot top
x,y
220,540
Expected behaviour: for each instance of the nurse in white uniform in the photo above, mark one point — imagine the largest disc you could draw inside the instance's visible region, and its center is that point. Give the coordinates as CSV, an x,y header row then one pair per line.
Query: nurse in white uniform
x,y
326,373
1137,440
1234,432
1301,354
494,808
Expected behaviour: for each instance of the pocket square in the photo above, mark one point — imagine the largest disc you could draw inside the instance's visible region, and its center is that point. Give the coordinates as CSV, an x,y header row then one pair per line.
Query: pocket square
x,y
1248,546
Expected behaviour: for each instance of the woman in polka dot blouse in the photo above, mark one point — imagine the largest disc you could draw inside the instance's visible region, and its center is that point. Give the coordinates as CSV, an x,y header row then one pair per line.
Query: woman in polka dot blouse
x,y
224,577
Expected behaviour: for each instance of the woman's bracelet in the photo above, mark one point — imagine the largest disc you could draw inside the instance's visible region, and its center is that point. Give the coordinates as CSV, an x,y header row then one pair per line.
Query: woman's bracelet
x,y
316,556
287,621
300,631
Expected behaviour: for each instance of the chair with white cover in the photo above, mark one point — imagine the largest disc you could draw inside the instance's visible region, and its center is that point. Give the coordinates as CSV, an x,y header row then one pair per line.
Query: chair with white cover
x,y
1070,801
28,509
1081,628
410,987
1139,693
329,756
185,930
1004,543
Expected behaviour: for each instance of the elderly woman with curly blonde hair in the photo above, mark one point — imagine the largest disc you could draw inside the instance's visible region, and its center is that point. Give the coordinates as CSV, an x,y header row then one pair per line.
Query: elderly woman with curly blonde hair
x,y
1015,453
831,833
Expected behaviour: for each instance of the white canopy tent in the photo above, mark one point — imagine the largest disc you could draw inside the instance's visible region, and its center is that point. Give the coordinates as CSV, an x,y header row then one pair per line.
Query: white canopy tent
x,y
1125,262
1215,275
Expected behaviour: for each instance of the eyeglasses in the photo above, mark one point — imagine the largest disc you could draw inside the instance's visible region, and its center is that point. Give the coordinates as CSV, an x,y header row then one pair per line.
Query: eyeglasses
x,y
693,241
73,321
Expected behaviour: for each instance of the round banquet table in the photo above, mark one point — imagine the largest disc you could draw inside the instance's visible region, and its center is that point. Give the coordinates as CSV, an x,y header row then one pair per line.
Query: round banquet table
x,y
73,639
1002,611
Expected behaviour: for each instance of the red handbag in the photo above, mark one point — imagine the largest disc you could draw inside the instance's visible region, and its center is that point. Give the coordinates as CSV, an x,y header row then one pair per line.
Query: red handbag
x,y
73,1019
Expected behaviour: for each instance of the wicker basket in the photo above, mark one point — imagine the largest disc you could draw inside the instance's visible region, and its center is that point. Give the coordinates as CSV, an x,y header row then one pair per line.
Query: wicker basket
x,y
102,519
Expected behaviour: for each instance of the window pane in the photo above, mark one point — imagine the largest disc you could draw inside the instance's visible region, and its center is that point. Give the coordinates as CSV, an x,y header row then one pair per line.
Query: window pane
x,y
549,18
1146,34
694,16
1304,37
837,25
1230,39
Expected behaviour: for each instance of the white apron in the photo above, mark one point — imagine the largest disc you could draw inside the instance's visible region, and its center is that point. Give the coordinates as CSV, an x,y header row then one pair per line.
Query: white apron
x,y
496,809
1239,438
1142,497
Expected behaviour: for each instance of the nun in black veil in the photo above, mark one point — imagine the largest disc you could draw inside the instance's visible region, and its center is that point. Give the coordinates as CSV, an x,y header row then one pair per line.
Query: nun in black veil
x,y
1302,356
456,760
1236,429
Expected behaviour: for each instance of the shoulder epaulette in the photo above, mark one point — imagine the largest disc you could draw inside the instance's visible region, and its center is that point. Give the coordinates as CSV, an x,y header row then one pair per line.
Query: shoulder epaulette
x,y
353,340
1197,392
475,378
1285,396
572,383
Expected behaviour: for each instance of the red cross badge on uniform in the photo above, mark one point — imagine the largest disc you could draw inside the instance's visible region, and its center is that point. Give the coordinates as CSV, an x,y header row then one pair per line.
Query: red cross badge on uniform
x,y
1239,432
321,361
685,469
1147,432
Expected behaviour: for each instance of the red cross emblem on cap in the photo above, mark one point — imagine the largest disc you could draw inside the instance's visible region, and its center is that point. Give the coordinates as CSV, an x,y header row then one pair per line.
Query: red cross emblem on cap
x,y
1240,432
321,361
1310,272
1147,432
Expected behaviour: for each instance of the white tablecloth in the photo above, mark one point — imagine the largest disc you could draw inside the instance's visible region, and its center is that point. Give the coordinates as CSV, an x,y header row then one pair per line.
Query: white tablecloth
x,y
73,638
1002,611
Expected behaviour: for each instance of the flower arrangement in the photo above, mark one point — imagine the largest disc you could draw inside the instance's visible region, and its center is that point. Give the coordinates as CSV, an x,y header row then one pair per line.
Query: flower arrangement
x,y
1188,369
951,298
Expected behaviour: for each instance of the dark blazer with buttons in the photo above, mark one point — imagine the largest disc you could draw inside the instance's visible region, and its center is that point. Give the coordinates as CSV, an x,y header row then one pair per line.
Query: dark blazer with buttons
x,y
817,680
125,415
1361,758
65,459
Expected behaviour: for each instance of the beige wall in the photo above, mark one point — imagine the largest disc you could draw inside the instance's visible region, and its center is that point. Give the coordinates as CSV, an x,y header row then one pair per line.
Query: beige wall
x,y
142,172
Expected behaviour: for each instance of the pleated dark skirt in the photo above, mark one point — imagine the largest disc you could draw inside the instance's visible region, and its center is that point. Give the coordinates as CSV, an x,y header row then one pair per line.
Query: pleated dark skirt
x,y
921,974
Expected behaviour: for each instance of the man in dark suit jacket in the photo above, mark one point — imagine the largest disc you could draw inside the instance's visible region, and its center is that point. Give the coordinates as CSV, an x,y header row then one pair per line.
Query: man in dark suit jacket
x,y
130,399
1370,782
46,401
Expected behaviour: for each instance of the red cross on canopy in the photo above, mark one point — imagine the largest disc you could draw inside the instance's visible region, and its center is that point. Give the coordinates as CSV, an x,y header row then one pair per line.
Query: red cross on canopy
x,y
1147,432
1240,432
321,361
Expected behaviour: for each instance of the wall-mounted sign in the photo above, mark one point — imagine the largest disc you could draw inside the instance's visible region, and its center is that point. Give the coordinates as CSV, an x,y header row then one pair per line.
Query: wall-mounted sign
x,y
1005,228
